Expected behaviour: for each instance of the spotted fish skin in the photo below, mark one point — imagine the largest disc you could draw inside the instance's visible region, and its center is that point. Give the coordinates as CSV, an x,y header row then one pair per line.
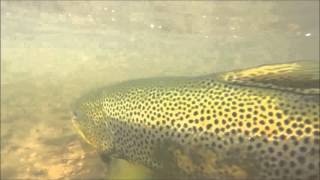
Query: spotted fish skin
x,y
209,126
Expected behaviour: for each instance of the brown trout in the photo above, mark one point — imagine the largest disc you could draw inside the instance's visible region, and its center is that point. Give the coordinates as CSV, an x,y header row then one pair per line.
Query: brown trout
x,y
257,123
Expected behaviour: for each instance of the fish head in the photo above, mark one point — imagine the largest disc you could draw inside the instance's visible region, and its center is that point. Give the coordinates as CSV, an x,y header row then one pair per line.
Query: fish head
x,y
89,122
79,125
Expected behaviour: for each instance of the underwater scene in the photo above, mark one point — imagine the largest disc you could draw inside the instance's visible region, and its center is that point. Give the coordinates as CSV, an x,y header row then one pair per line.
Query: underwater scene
x,y
221,90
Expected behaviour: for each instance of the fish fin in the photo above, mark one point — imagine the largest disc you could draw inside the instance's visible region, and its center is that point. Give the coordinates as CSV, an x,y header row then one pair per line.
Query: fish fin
x,y
105,157
301,77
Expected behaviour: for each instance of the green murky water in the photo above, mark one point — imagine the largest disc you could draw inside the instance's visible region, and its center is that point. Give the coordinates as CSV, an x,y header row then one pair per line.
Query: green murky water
x,y
53,52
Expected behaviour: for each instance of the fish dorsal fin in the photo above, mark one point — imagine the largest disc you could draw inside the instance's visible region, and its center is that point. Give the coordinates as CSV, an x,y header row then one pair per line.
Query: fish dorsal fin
x,y
300,77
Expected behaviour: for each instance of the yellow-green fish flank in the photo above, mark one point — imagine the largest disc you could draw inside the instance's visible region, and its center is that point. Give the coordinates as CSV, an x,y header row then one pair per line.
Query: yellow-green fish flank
x,y
258,123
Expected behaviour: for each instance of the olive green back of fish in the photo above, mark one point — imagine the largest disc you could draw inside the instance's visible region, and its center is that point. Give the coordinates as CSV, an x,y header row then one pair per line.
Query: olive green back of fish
x,y
255,123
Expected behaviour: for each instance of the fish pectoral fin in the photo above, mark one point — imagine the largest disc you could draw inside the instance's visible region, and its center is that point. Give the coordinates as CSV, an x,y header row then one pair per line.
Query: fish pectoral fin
x,y
105,157
300,76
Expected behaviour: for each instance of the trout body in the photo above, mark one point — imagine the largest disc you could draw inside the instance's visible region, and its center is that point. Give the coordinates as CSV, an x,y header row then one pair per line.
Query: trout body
x,y
259,123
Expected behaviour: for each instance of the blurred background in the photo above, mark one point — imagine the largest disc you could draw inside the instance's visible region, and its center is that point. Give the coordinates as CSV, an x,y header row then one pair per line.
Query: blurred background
x,y
52,52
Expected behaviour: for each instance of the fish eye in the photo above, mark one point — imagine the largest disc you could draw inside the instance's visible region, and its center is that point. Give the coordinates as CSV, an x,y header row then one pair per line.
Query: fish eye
x,y
75,113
